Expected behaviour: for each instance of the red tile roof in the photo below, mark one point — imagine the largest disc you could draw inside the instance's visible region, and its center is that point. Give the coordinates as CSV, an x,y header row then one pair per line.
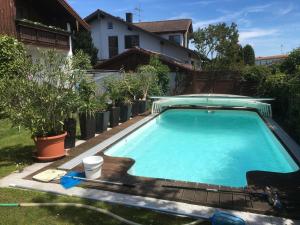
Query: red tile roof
x,y
271,57
167,26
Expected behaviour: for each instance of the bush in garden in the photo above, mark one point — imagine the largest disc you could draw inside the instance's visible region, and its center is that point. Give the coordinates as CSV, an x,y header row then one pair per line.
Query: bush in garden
x,y
13,63
114,89
255,73
292,63
162,72
148,81
42,99
83,41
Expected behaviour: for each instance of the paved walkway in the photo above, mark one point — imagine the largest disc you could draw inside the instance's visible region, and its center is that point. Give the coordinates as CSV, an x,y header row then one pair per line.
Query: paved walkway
x,y
17,180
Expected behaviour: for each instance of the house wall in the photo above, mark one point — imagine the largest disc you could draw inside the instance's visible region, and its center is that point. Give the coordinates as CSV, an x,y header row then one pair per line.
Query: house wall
x,y
100,34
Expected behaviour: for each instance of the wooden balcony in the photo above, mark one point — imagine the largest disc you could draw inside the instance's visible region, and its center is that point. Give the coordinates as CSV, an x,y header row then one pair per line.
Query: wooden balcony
x,y
42,36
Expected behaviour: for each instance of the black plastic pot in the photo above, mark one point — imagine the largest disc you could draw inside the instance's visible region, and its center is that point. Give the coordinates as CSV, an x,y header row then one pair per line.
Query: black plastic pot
x,y
87,126
114,116
70,128
102,119
142,106
125,112
135,108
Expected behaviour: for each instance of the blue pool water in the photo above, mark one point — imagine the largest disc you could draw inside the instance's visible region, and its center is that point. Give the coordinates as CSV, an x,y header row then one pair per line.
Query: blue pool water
x,y
216,147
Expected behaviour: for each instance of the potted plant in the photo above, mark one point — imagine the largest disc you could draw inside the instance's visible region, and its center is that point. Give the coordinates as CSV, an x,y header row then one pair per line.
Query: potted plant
x,y
102,115
87,109
148,79
36,100
132,84
125,109
112,86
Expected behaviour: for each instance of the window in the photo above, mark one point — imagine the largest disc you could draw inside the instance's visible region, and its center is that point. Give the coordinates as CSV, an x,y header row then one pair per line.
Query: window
x,y
110,25
132,41
175,38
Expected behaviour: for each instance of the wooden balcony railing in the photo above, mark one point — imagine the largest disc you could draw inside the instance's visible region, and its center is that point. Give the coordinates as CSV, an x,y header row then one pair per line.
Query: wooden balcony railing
x,y
43,36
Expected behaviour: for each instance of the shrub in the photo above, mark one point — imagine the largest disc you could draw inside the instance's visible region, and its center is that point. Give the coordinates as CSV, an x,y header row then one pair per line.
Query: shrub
x,y
255,73
13,63
162,73
292,63
83,41
40,100
113,88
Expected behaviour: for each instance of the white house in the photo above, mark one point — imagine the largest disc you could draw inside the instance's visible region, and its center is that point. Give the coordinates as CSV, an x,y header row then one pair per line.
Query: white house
x,y
113,35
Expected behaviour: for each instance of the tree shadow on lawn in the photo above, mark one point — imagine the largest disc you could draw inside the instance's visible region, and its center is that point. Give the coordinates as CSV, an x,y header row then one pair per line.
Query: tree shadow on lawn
x,y
17,154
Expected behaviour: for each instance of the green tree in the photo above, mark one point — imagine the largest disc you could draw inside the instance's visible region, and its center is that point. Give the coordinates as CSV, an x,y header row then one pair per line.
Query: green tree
x,y
162,72
292,64
249,55
83,41
219,43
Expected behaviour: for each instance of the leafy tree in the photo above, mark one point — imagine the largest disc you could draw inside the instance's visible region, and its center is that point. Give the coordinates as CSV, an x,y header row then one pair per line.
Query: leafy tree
x,y
13,64
83,41
162,72
292,64
219,43
255,73
249,55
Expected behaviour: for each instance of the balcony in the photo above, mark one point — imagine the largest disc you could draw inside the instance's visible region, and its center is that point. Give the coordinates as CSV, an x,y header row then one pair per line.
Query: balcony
x,y
42,35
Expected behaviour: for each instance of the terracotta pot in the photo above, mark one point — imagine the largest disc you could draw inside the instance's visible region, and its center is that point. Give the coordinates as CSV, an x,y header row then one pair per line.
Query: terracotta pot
x,y
50,148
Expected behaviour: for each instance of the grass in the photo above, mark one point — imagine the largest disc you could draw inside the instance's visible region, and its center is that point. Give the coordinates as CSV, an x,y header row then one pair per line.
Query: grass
x,y
69,215
15,148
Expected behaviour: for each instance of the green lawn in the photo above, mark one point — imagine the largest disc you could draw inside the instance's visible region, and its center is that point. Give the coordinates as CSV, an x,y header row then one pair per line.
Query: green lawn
x,y
15,148
69,215
15,153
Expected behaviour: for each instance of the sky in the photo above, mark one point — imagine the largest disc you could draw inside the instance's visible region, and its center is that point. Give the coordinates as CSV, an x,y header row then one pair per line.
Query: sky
x,y
270,26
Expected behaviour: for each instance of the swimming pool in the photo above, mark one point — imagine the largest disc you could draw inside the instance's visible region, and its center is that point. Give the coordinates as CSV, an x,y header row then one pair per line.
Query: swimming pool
x,y
215,147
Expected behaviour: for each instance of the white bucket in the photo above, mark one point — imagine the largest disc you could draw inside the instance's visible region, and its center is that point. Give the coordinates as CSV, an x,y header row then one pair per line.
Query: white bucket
x,y
92,166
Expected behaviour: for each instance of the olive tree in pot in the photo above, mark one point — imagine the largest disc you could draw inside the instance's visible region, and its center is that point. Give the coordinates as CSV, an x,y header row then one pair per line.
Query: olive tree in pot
x,y
131,83
36,100
112,86
102,115
80,63
87,109
125,109
148,81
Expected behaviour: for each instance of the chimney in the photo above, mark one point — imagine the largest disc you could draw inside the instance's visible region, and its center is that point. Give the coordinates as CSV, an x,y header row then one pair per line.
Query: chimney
x,y
129,17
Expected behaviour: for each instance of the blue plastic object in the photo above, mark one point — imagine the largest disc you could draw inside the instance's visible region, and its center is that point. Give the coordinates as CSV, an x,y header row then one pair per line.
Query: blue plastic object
x,y
69,180
222,218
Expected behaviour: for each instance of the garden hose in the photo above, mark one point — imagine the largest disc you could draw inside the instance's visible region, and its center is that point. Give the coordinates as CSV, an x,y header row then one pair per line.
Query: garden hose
x,y
77,205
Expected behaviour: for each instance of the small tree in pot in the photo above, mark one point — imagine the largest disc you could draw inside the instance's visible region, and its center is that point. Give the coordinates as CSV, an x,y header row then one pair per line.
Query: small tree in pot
x,y
87,109
102,115
80,63
36,100
131,83
113,87
148,80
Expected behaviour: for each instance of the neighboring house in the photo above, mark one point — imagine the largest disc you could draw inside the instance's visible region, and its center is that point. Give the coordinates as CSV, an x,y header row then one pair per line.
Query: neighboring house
x,y
113,35
41,23
269,60
177,31
134,57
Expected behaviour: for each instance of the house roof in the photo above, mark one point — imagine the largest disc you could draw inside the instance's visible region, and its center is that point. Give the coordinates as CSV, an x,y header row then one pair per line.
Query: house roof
x,y
98,13
271,57
167,26
74,14
134,57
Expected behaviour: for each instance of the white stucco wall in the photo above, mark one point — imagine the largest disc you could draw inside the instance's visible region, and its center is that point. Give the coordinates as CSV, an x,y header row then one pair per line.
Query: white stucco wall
x,y
100,34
